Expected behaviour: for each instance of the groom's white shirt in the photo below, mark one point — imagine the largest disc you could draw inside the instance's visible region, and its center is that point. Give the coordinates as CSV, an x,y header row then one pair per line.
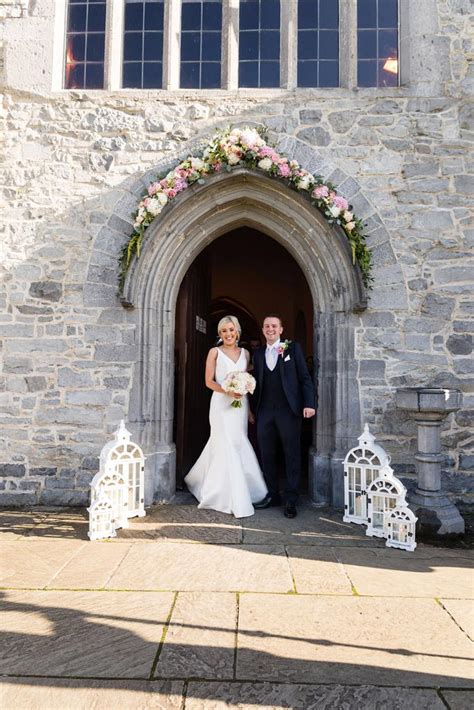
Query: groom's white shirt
x,y
271,355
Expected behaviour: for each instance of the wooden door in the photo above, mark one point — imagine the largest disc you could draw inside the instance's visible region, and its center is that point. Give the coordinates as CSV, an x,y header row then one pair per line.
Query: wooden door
x,y
193,341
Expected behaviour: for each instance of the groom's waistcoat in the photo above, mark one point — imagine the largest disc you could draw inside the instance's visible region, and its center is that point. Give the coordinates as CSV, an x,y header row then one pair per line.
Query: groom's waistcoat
x,y
273,395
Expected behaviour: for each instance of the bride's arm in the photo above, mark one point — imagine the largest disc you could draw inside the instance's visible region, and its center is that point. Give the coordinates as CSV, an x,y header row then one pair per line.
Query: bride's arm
x,y
211,371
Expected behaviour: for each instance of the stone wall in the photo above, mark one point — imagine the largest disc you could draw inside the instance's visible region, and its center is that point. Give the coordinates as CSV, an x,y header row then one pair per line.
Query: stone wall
x,y
73,163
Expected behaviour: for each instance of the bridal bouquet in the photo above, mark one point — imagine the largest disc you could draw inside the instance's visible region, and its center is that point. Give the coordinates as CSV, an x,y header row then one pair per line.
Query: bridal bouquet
x,y
240,383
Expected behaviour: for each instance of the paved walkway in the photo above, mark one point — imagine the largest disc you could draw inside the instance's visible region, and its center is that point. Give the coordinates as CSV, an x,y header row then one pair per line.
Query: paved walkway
x,y
193,609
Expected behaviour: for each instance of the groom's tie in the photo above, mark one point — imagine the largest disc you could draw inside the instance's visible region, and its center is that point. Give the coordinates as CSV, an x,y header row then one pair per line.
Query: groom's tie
x,y
271,356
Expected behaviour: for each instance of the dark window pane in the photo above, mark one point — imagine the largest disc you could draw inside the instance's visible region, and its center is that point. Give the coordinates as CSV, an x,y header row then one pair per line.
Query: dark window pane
x,y
134,16
308,45
367,44
154,16
191,16
248,74
270,74
248,45
211,46
152,75
75,76
190,46
388,40
210,75
96,18
94,76
328,45
190,75
75,48
307,74
212,16
132,49
132,76
248,15
387,77
270,14
388,13
153,49
95,47
269,45
307,14
328,14
367,73
367,13
328,74
77,18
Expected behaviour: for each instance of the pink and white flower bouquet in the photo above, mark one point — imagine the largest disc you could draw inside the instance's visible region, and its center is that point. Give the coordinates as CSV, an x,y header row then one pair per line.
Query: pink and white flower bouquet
x,y
239,383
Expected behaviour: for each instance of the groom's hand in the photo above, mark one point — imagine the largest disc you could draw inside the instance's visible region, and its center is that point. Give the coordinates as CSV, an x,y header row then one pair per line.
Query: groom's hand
x,y
308,412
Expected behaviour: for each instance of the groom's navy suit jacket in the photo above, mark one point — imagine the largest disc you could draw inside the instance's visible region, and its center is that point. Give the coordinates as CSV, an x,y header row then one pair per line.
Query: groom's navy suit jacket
x,y
295,378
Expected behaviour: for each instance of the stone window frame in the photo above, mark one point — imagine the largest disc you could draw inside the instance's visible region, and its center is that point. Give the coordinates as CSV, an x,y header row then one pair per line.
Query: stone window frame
x,y
230,62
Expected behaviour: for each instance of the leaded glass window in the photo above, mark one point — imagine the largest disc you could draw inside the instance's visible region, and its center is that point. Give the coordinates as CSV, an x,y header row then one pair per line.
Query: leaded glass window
x,y
377,42
318,43
259,43
85,42
143,44
201,44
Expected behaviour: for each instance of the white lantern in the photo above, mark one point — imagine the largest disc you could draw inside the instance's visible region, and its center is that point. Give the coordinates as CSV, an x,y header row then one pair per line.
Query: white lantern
x,y
127,459
362,465
383,495
114,486
401,525
101,518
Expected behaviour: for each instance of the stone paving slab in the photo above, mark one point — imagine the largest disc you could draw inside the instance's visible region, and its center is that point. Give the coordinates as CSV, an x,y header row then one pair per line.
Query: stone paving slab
x,y
462,611
199,568
312,526
183,523
33,563
389,572
91,568
17,523
200,642
351,640
317,571
459,699
64,694
62,524
97,634
274,696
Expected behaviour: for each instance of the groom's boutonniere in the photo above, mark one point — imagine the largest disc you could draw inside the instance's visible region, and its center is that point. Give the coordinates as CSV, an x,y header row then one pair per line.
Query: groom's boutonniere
x,y
283,348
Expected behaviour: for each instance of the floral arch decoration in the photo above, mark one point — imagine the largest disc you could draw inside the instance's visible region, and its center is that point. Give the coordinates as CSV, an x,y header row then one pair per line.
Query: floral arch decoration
x,y
247,147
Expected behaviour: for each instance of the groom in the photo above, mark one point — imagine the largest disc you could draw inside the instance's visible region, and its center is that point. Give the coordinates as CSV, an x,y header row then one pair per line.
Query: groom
x,y
283,396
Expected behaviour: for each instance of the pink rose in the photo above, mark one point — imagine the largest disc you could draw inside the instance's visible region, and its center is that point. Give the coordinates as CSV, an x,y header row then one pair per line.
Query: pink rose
x,y
341,202
320,192
284,170
170,193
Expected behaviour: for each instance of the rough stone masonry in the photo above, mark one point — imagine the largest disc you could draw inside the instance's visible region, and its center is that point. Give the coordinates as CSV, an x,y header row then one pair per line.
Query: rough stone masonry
x,y
72,161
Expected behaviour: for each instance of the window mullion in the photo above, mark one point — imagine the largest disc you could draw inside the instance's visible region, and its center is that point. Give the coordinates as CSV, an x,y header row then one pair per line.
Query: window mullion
x,y
230,45
348,44
171,44
288,45
114,23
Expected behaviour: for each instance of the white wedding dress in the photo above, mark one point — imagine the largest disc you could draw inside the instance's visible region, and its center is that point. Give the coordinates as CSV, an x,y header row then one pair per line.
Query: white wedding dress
x,y
227,476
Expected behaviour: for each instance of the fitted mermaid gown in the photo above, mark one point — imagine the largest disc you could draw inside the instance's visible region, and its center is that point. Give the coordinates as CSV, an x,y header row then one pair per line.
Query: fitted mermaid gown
x,y
226,476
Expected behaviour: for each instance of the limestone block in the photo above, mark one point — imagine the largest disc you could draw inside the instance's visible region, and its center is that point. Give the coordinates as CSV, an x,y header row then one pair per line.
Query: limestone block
x,y
46,290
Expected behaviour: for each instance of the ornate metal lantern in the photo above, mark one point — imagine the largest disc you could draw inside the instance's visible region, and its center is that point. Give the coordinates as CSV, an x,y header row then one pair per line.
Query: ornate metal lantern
x,y
383,495
125,457
362,466
101,518
401,525
114,486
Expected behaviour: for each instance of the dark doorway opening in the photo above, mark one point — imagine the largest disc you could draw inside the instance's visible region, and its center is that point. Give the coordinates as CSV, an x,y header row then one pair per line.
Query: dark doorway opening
x,y
247,274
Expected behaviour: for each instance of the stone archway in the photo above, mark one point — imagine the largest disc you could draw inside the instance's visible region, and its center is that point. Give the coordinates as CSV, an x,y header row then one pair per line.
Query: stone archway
x,y
202,214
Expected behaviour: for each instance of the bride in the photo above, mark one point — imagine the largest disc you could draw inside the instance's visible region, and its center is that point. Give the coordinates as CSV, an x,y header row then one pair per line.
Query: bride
x,y
227,476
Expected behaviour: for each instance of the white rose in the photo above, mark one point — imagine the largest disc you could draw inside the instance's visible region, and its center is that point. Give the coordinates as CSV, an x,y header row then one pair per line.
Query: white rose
x,y
304,183
265,164
335,211
154,207
233,159
197,164
348,216
162,198
350,226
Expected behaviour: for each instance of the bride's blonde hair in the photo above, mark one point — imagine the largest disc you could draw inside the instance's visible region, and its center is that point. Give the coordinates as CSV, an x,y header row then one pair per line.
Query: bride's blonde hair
x,y
229,319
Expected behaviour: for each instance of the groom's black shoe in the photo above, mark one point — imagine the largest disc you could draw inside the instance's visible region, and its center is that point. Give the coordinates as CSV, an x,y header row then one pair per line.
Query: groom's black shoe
x,y
267,502
290,511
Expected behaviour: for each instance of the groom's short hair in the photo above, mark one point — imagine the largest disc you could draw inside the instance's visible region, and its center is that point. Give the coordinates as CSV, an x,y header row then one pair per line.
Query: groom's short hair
x,y
274,315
